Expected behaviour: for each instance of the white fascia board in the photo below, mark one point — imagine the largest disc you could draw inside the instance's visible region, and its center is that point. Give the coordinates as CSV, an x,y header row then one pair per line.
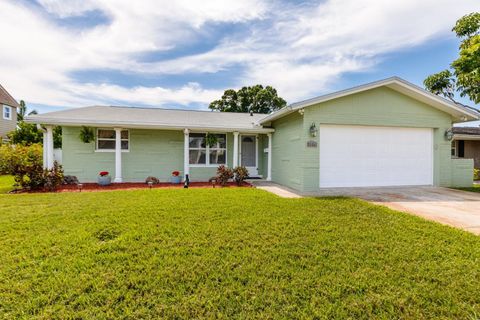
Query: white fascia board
x,y
394,83
132,125
468,137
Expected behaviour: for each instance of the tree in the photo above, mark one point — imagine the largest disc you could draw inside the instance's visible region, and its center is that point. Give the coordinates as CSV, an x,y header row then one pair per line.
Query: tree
x,y
28,133
256,99
22,111
465,77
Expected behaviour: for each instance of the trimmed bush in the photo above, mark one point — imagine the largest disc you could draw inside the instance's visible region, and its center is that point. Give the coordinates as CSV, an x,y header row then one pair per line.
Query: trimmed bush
x,y
241,173
224,174
70,180
152,180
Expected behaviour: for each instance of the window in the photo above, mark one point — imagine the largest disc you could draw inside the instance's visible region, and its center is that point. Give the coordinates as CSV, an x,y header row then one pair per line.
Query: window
x,y
458,148
202,154
106,140
454,148
7,112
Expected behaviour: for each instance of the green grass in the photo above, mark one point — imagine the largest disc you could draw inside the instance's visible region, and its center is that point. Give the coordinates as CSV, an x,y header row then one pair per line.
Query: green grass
x,y
474,188
6,184
228,253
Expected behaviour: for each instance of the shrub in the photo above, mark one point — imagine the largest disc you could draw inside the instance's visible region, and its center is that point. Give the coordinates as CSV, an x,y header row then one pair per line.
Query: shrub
x,y
53,177
476,174
224,174
152,180
70,180
25,163
241,173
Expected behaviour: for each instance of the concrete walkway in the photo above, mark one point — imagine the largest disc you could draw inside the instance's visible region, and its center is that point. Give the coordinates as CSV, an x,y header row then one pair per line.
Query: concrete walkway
x,y
275,188
451,207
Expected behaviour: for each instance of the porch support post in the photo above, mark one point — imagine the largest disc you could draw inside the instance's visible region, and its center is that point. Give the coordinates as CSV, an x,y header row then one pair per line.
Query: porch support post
x,y
118,155
48,139
45,160
186,153
269,169
235,149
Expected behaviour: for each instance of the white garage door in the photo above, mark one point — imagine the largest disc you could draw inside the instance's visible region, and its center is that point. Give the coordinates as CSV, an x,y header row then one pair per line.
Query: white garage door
x,y
363,156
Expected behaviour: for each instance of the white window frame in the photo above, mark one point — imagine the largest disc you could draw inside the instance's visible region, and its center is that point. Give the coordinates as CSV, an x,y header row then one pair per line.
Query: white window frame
x,y
207,152
454,148
110,139
5,108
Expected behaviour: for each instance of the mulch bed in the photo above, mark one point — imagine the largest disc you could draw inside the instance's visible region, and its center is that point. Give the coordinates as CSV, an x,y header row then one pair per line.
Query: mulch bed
x,y
93,187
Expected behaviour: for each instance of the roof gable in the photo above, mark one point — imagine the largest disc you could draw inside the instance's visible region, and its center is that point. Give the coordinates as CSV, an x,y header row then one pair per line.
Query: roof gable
x,y
6,98
458,112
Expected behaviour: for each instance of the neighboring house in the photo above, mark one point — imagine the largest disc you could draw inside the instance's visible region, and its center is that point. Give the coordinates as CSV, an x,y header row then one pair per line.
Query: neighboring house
x,y
386,133
8,118
466,144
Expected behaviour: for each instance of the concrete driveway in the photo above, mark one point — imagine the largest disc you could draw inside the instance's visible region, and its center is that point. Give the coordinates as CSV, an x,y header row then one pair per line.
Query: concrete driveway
x,y
455,208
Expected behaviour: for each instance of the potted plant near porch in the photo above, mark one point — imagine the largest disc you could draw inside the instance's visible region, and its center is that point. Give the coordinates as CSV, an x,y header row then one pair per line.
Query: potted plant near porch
x,y
176,178
104,178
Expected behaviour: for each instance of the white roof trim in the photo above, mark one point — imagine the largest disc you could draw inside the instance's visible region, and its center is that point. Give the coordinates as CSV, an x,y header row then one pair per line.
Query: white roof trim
x,y
468,137
394,83
144,125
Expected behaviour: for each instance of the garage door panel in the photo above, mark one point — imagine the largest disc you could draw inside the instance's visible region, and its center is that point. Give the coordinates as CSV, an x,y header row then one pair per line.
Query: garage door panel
x,y
375,156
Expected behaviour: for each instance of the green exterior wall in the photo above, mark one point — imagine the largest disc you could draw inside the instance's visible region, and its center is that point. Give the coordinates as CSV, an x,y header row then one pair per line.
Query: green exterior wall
x,y
462,173
297,166
288,151
152,153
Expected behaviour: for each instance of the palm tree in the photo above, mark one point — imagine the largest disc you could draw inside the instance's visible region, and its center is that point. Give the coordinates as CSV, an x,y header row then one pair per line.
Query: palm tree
x,y
23,111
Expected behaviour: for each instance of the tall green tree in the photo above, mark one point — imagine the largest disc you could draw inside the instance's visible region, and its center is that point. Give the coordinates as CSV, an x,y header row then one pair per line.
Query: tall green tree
x,y
22,111
463,76
256,99
28,133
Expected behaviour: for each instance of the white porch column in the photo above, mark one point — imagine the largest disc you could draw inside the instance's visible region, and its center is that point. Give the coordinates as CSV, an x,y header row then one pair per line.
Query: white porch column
x,y
45,160
186,153
118,155
269,169
235,149
49,146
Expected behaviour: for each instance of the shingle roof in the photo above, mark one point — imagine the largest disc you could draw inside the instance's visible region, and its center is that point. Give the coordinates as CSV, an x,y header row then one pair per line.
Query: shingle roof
x,y
466,130
132,117
6,98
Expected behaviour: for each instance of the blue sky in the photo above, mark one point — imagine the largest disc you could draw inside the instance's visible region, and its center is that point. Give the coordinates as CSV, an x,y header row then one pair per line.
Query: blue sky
x,y
184,54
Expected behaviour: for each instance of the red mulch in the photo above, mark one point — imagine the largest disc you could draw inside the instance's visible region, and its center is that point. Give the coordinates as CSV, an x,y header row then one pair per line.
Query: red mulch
x,y
93,187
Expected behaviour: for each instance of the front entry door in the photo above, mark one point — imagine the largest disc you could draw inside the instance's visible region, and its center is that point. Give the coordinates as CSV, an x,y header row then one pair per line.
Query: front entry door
x,y
248,151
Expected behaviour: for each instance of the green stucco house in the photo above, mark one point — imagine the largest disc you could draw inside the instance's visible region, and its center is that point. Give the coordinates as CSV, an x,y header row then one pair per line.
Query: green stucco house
x,y
386,133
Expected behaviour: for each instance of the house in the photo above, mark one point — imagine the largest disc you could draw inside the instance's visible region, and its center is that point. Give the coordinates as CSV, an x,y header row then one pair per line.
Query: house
x,y
466,144
385,133
8,119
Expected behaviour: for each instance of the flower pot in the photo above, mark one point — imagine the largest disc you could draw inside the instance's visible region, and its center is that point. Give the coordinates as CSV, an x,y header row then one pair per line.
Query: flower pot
x,y
176,179
104,181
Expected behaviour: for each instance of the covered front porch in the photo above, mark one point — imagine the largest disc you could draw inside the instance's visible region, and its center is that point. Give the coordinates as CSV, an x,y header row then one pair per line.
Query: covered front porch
x,y
132,154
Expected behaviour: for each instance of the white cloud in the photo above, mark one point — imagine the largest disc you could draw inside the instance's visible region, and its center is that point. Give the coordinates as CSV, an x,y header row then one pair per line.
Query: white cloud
x,y
299,49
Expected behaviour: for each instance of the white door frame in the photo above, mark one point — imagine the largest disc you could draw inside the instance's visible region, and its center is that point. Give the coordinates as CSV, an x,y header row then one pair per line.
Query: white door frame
x,y
253,171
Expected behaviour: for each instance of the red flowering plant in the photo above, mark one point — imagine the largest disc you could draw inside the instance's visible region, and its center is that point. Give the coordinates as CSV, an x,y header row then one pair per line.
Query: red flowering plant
x,y
103,173
175,173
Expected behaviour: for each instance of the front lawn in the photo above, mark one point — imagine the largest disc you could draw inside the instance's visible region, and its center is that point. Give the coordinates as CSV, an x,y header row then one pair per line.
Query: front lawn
x,y
474,188
6,184
228,253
